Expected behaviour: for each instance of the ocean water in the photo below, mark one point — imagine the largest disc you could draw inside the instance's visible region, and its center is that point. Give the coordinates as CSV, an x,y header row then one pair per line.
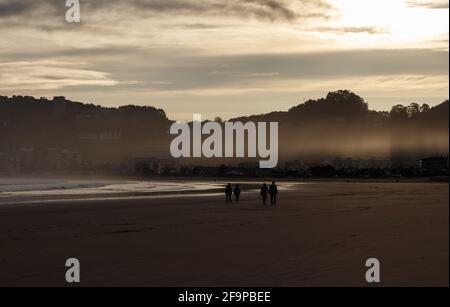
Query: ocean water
x,y
29,187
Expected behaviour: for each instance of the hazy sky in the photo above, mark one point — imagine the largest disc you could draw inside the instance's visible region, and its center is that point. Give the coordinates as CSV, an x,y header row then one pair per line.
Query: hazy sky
x,y
226,57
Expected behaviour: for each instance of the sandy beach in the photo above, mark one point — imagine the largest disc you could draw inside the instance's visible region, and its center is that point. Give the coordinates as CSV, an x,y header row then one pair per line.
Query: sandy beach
x,y
320,234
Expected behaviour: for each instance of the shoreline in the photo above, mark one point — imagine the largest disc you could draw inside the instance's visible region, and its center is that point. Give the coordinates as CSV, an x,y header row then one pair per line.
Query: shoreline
x,y
211,187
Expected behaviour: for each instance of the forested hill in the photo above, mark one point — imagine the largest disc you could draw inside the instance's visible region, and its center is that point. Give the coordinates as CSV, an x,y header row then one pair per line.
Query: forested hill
x,y
342,125
109,135
339,125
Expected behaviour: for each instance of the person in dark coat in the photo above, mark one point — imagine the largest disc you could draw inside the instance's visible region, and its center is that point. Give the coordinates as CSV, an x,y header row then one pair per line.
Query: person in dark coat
x,y
264,192
237,193
273,191
229,193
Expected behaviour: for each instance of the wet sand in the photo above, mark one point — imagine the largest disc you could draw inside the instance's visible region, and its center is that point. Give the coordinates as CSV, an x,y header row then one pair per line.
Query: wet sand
x,y
319,235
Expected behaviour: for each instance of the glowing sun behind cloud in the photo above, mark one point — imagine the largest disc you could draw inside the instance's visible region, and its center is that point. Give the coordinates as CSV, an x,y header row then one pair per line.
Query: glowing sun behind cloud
x,y
398,23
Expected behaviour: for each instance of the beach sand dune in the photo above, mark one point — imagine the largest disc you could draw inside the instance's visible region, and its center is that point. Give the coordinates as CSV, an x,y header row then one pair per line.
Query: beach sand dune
x,y
321,234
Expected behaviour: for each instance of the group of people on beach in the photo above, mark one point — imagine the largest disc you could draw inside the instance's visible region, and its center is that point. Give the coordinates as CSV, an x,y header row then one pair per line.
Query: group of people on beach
x,y
266,191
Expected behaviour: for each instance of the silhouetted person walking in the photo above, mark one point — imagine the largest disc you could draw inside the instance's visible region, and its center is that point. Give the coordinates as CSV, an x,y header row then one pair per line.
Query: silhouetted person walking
x,y
229,193
237,193
273,191
264,192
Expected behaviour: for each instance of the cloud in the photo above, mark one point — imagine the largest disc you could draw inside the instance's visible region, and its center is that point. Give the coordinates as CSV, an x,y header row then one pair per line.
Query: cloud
x,y
12,8
437,4
347,30
240,71
266,10
174,70
259,75
50,75
273,10
201,26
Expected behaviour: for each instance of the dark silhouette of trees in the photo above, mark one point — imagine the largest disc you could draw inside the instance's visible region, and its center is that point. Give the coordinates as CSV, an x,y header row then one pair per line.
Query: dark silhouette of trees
x,y
414,110
425,108
417,131
341,103
327,171
399,112
109,135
